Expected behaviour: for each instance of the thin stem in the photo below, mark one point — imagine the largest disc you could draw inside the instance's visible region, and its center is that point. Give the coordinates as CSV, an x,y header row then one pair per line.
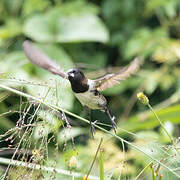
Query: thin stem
x,y
170,137
101,164
153,173
43,168
143,170
160,177
94,158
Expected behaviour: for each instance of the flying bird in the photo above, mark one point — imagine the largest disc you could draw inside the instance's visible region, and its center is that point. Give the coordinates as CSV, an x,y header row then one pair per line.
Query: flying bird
x,y
87,91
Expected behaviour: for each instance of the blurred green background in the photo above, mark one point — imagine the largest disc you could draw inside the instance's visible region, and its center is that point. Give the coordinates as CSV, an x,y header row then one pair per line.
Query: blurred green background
x,y
96,36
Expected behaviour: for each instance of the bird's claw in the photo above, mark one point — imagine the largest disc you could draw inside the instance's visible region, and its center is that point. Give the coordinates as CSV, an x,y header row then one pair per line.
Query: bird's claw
x,y
94,122
114,125
92,128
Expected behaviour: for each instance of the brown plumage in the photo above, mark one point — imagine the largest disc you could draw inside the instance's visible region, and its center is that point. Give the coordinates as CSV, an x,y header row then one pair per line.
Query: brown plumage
x,y
110,80
37,57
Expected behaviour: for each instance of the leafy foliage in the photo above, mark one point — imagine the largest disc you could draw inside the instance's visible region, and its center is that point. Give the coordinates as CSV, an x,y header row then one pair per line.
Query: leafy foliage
x,y
97,36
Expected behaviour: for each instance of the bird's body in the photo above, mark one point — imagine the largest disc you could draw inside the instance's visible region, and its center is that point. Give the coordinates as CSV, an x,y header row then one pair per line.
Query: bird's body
x,y
86,90
92,98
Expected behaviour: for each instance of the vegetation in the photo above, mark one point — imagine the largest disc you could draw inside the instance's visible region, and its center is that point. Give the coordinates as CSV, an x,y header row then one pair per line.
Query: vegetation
x,y
44,131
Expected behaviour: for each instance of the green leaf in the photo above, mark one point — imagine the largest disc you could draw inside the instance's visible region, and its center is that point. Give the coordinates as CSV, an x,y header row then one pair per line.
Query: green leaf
x,y
42,32
145,41
168,7
148,121
74,28
82,28
31,6
12,7
13,59
11,29
76,7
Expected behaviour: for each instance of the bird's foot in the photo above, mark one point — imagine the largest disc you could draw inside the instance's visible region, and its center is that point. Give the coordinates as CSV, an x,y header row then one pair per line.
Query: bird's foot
x,y
114,125
92,128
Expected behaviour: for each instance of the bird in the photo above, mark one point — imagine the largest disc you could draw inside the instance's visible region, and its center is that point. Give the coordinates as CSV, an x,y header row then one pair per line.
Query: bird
x,y
87,91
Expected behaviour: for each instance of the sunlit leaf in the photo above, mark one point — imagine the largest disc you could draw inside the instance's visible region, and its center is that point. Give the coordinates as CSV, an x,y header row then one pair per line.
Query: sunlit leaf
x,y
145,41
168,7
168,52
148,121
11,29
31,6
77,28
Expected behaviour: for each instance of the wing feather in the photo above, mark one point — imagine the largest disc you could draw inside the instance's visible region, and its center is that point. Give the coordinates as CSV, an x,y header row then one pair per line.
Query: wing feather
x,y
39,58
110,80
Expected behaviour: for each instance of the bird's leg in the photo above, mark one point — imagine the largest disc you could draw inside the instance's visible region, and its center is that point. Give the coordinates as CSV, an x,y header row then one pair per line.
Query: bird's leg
x,y
112,118
92,129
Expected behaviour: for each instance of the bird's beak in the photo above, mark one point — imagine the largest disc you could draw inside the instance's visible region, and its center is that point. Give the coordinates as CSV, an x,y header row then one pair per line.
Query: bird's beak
x,y
70,74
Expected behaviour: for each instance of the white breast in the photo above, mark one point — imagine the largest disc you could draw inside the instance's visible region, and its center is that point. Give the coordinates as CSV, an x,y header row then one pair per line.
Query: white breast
x,y
91,100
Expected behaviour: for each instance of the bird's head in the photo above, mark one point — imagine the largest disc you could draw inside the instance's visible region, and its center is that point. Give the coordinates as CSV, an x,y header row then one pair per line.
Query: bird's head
x,y
78,80
75,75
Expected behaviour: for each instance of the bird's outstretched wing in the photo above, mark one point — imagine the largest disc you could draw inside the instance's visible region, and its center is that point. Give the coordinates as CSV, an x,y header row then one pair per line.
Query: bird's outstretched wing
x,y
110,80
39,58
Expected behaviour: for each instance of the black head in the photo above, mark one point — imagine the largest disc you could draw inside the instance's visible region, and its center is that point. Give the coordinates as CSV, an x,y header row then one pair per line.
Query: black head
x,y
75,74
78,80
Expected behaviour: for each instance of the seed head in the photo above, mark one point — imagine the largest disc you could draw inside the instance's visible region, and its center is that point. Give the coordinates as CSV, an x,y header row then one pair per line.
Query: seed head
x,y
143,98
